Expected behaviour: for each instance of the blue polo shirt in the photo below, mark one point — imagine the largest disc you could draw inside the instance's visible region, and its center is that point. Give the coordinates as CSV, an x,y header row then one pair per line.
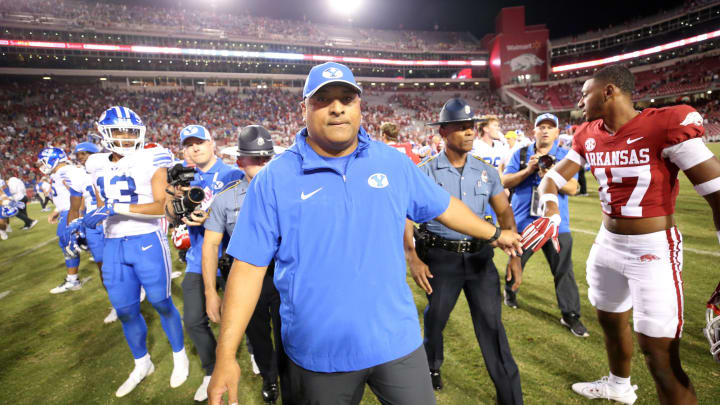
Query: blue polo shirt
x,y
523,192
212,182
337,238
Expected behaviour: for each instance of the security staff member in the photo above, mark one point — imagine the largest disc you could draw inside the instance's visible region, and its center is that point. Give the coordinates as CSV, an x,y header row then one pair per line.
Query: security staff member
x,y
458,262
255,149
526,168
348,316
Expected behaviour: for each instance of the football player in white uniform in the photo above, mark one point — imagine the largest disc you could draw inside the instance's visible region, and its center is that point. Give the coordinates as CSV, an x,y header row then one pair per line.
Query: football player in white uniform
x,y
132,203
54,162
18,193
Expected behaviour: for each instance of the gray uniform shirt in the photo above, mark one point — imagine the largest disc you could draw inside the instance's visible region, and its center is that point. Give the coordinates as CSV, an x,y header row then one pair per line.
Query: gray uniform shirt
x,y
226,206
478,182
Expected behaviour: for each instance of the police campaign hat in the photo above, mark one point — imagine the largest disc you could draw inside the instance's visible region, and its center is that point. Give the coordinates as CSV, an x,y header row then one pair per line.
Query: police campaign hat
x,y
455,110
255,140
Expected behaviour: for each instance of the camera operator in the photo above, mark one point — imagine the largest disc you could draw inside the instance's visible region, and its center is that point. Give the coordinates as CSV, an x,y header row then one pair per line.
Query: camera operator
x,y
523,174
255,149
209,176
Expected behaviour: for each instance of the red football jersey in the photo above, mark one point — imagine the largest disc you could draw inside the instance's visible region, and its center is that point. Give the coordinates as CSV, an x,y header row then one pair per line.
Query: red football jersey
x,y
406,149
636,180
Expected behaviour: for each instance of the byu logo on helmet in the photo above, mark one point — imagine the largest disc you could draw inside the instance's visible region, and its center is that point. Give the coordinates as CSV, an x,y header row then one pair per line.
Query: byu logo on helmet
x,y
49,158
332,73
378,180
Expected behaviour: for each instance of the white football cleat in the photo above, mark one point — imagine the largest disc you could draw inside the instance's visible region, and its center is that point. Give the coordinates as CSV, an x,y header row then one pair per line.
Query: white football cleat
x,y
256,369
112,316
3,235
31,226
136,376
201,393
602,389
67,285
181,369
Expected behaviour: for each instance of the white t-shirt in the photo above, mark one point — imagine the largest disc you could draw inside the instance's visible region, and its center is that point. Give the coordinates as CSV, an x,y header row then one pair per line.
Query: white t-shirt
x,y
17,188
129,181
60,181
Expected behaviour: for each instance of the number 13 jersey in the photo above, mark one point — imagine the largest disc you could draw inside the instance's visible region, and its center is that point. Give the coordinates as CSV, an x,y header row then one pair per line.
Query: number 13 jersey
x,y
129,181
637,167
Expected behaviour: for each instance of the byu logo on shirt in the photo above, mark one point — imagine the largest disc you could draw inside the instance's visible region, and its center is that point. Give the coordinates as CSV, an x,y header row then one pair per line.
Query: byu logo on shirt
x,y
378,180
332,73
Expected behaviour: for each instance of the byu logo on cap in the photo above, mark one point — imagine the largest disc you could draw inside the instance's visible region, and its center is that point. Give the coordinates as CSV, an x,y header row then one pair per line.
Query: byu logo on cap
x,y
190,130
378,180
332,73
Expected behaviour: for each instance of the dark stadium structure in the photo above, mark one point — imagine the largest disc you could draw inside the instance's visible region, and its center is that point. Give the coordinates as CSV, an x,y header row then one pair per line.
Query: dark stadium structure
x,y
64,63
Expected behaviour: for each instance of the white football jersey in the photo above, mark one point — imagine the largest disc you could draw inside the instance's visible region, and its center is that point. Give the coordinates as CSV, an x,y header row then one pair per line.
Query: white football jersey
x,y
492,155
61,180
129,181
94,165
17,188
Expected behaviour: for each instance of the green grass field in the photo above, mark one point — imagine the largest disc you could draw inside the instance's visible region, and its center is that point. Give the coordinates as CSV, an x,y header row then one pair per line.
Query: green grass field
x,y
56,349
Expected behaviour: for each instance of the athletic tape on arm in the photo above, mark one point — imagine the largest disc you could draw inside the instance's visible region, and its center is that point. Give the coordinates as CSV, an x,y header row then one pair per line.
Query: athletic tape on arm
x,y
548,197
708,187
557,178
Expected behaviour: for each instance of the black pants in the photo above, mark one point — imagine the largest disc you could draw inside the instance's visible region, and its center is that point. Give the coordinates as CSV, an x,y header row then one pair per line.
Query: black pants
x,y
197,323
582,182
566,289
476,275
404,381
22,213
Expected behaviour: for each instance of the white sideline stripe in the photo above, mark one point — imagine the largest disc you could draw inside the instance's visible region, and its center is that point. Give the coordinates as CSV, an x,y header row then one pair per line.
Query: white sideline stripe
x,y
28,251
5,294
685,248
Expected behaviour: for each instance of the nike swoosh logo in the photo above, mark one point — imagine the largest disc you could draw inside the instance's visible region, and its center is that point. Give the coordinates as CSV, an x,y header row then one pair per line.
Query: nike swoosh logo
x,y
144,248
629,141
304,196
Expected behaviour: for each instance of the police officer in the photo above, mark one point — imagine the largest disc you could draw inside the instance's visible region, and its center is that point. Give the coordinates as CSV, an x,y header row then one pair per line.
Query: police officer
x,y
211,174
524,171
458,262
255,149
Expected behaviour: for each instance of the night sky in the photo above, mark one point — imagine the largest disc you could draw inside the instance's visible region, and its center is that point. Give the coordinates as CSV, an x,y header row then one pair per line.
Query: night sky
x,y
562,17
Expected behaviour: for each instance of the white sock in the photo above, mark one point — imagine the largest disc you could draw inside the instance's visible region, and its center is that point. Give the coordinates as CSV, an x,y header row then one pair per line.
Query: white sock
x,y
619,383
71,277
143,361
179,355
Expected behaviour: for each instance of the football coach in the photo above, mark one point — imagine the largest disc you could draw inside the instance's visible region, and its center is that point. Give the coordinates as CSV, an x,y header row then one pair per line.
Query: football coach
x,y
331,211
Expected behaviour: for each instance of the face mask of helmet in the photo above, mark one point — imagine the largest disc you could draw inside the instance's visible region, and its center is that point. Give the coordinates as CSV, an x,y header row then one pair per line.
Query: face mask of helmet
x,y
123,140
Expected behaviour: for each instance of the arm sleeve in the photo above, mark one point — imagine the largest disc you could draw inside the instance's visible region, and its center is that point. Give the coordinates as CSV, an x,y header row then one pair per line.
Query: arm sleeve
x,y
427,200
256,236
578,147
216,216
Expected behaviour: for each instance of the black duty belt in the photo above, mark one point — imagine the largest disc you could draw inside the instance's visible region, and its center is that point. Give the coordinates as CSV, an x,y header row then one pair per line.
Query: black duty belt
x,y
458,246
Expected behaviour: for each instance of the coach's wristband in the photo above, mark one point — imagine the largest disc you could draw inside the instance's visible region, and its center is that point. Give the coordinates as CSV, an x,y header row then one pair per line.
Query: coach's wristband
x,y
495,237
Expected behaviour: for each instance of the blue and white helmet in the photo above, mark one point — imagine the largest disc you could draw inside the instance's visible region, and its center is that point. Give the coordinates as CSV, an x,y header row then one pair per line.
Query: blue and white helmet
x,y
9,208
49,158
121,119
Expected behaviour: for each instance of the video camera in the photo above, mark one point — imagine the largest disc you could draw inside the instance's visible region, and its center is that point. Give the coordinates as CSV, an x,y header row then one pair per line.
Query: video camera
x,y
181,176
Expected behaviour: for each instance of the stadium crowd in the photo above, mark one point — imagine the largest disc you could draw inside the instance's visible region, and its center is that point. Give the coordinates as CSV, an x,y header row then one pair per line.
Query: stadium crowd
x,y
91,15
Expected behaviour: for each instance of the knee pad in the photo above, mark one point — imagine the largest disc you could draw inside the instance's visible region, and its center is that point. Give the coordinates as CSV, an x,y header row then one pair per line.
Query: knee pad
x,y
128,313
164,307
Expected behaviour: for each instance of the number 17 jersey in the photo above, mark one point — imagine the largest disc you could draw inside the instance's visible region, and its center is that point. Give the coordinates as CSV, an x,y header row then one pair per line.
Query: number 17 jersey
x,y
129,181
637,167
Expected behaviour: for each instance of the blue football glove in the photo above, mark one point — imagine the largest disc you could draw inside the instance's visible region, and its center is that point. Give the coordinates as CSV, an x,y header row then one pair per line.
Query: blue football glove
x,y
73,227
94,217
76,243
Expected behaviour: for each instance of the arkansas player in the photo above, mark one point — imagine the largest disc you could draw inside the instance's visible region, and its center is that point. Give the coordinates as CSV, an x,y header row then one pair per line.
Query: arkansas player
x,y
636,260
390,137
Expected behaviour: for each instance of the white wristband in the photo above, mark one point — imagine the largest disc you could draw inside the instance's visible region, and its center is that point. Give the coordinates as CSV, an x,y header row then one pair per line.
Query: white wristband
x,y
559,180
556,219
548,197
708,187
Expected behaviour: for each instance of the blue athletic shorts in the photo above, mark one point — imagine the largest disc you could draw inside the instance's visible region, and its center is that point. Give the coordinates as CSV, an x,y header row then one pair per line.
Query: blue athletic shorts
x,y
133,261
96,242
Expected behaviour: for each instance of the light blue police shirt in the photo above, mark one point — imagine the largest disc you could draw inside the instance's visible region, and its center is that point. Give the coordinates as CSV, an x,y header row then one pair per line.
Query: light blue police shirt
x,y
337,240
478,182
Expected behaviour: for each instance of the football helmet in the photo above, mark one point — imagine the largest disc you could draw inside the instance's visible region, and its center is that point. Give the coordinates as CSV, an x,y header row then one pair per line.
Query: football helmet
x,y
181,237
86,147
121,120
8,209
49,158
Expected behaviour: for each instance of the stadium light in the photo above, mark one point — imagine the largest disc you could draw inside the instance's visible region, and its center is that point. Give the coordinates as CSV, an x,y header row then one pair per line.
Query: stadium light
x,y
345,7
